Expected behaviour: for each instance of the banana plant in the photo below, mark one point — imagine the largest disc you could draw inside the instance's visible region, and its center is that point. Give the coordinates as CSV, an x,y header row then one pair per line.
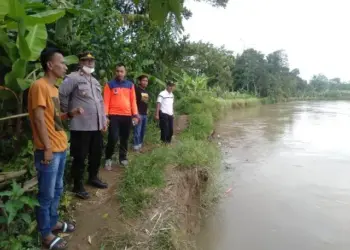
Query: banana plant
x,y
190,85
23,36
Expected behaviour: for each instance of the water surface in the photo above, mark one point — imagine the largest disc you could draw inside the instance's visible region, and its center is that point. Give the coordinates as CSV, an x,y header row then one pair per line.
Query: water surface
x,y
289,169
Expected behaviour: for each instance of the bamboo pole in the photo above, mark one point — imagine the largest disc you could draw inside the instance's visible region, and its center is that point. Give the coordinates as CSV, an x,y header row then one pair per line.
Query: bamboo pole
x,y
13,117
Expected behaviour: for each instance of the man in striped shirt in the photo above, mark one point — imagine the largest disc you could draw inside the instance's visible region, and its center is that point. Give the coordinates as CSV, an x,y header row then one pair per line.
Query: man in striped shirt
x,y
165,112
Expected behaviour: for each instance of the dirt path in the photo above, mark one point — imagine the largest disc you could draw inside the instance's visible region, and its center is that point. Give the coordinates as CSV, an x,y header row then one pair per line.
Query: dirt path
x,y
98,214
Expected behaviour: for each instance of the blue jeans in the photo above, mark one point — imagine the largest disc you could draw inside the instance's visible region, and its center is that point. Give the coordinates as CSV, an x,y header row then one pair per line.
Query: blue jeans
x,y
50,183
139,131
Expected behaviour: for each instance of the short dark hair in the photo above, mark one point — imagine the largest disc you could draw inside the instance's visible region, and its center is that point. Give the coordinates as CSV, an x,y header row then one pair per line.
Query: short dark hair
x,y
46,55
170,84
141,77
120,65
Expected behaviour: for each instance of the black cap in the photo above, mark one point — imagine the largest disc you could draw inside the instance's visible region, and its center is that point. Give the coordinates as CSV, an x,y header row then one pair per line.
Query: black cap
x,y
170,84
86,55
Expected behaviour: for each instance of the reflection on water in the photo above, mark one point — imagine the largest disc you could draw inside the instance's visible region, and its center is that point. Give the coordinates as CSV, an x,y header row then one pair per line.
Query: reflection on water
x,y
289,167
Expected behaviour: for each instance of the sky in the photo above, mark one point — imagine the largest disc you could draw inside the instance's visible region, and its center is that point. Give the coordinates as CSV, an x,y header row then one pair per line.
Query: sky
x,y
314,33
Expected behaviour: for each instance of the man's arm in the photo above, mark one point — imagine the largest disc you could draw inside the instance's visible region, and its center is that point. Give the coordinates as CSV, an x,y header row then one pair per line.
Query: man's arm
x,y
134,109
104,117
71,114
39,122
106,98
39,96
138,95
159,100
65,91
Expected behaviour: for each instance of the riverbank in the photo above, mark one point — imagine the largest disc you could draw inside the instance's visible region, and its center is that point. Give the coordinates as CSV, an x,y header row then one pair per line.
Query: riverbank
x,y
158,201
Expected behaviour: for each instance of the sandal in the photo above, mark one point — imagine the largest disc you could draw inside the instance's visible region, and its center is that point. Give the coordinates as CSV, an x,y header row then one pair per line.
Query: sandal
x,y
66,228
56,244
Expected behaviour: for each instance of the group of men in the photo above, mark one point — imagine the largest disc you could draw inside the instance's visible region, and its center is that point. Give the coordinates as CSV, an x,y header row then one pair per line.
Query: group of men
x,y
79,99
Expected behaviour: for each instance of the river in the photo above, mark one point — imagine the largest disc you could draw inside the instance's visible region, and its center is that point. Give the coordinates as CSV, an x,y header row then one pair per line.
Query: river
x,y
289,169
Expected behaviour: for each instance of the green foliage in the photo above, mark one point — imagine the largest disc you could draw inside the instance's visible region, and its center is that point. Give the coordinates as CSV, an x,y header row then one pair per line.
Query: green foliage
x,y
16,219
215,63
200,153
200,127
187,85
152,131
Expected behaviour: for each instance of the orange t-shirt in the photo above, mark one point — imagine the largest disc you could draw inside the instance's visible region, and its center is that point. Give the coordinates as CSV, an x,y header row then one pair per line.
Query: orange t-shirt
x,y
43,94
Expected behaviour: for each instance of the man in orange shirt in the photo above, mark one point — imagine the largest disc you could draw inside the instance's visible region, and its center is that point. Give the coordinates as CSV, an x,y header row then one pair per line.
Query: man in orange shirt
x,y
50,141
121,109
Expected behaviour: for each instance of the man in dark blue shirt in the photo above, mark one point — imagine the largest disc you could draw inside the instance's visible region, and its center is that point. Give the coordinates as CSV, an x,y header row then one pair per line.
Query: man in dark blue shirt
x,y
142,98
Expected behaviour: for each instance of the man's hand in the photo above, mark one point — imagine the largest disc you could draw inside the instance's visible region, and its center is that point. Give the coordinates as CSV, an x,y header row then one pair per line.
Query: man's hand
x,y
105,127
47,156
156,116
77,111
135,120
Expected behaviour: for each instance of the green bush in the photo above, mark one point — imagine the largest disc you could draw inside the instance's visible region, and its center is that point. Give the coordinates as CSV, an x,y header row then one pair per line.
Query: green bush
x,y
200,126
16,222
192,153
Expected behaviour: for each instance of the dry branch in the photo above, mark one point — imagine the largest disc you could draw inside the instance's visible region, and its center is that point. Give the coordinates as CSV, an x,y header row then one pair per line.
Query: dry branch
x,y
30,184
5,176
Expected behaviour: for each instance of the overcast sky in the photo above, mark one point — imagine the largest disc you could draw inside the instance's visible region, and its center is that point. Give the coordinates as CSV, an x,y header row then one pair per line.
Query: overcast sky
x,y
314,33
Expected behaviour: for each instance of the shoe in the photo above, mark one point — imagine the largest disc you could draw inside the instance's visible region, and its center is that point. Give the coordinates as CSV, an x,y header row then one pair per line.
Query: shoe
x,y
96,182
80,192
108,165
124,163
137,148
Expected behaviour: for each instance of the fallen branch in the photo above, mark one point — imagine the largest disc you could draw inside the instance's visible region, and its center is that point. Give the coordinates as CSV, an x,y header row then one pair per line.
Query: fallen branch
x,y
5,176
30,184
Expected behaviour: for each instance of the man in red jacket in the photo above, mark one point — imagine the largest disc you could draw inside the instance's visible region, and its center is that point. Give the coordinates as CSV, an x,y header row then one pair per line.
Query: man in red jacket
x,y
121,110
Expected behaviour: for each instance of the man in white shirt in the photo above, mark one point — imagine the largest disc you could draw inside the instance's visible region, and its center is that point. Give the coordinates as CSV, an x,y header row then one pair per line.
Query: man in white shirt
x,y
165,112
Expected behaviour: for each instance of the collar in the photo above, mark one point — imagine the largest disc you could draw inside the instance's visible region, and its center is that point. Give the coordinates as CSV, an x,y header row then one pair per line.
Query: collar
x,y
119,80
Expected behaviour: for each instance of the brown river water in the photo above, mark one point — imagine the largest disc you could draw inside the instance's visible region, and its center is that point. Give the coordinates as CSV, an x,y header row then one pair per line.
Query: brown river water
x,y
289,169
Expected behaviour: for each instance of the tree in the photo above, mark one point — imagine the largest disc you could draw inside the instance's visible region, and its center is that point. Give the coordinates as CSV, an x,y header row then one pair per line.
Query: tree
x,y
216,63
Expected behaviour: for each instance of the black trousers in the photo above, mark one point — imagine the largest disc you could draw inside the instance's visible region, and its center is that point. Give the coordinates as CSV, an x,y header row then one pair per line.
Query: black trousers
x,y
166,124
119,128
83,144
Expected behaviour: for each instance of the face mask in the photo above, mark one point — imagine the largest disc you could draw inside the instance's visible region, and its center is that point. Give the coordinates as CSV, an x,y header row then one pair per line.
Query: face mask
x,y
88,70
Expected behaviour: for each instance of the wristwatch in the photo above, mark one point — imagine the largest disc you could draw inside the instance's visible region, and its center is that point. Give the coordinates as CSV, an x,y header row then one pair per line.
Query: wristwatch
x,y
70,115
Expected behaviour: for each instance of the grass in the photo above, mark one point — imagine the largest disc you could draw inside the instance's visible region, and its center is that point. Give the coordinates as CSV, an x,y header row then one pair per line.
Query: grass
x,y
146,172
